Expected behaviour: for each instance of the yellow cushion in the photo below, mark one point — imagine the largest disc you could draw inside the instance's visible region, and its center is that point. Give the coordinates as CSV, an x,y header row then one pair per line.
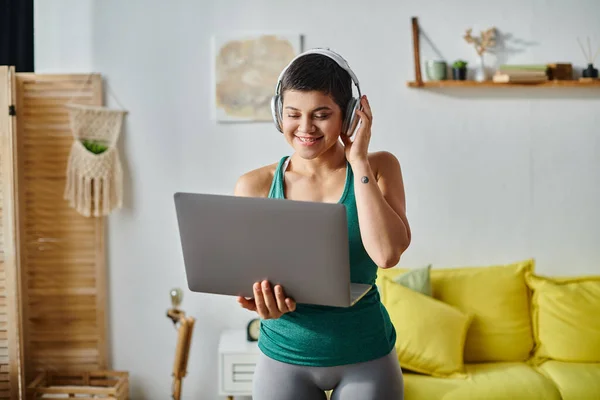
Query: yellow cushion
x,y
566,318
387,274
575,381
498,298
430,334
492,381
391,273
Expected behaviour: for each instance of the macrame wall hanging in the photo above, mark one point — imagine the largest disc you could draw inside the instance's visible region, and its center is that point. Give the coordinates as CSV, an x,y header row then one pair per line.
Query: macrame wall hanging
x,y
94,173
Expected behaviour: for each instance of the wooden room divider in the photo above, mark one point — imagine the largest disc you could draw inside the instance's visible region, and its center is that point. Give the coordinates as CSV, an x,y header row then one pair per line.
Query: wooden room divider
x,y
10,338
52,259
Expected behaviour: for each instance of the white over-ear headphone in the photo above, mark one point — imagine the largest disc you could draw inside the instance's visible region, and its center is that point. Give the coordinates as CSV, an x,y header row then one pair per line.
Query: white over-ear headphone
x,y
350,121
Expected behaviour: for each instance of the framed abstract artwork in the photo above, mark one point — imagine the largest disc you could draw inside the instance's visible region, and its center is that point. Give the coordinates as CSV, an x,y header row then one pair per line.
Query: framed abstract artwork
x,y
245,71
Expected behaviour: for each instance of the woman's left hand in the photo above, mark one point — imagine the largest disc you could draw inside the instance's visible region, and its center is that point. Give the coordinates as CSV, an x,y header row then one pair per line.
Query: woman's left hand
x,y
357,150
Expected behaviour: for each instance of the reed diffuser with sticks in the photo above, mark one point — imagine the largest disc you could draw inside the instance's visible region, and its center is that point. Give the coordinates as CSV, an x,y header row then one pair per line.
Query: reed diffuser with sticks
x,y
590,72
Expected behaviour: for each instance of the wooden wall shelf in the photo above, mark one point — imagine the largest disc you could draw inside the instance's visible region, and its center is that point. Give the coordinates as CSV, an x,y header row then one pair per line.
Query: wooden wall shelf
x,y
419,83
491,84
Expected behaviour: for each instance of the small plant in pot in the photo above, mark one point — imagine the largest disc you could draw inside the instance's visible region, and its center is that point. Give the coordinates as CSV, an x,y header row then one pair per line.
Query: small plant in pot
x,y
459,70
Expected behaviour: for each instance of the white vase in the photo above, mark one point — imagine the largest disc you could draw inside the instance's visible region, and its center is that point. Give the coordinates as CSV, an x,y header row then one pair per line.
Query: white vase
x,y
480,73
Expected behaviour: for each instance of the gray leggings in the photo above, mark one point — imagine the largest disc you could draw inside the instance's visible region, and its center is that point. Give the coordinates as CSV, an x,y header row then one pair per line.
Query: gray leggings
x,y
372,380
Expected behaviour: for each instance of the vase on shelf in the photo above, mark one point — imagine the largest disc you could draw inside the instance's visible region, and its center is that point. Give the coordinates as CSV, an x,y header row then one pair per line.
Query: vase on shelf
x,y
480,73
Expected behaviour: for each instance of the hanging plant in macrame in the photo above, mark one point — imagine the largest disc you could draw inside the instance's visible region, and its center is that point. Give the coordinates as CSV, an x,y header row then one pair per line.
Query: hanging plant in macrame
x,y
94,173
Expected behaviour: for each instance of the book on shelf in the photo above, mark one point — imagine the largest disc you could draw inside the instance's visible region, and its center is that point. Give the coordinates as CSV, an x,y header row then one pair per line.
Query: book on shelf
x,y
515,78
523,67
531,73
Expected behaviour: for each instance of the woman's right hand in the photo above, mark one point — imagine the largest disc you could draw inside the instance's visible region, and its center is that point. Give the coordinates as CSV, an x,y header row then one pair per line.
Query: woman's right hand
x,y
267,304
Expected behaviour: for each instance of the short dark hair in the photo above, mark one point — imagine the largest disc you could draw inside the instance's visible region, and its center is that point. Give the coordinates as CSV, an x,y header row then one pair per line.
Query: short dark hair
x,y
320,73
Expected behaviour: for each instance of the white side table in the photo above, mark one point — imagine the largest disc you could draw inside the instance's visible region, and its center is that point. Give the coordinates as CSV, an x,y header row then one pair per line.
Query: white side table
x,y
237,359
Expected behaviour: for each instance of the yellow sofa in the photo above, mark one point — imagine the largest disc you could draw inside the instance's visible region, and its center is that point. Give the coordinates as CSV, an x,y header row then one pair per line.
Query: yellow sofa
x,y
496,332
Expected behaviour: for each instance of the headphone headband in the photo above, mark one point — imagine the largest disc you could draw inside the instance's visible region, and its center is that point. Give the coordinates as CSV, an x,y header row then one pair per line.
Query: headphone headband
x,y
326,52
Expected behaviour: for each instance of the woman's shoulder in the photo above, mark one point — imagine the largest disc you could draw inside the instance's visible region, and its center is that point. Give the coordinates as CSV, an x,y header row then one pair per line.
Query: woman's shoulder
x,y
383,162
257,182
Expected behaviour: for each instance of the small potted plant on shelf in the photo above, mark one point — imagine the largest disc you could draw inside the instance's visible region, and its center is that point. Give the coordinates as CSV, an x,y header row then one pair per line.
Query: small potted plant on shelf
x,y
459,70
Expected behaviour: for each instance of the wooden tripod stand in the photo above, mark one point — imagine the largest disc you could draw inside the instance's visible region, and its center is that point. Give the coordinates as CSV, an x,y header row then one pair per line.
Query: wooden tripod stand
x,y
184,340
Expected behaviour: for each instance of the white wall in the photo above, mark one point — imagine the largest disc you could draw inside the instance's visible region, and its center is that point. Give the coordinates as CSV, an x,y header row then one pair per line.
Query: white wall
x,y
63,35
492,176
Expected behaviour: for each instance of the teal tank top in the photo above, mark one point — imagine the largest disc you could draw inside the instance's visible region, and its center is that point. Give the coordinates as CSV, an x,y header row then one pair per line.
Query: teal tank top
x,y
325,336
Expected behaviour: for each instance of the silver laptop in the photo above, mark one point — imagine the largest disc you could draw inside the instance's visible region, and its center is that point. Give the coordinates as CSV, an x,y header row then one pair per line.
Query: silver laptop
x,y
230,242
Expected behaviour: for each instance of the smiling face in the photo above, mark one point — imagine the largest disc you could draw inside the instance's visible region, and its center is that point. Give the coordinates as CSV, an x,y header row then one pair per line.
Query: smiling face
x,y
315,92
312,122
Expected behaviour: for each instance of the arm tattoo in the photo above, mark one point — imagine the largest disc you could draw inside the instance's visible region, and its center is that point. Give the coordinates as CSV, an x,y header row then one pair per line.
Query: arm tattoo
x,y
364,179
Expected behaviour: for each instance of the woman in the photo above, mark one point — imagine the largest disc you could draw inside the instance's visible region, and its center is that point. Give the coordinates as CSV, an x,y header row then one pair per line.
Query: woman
x,y
308,349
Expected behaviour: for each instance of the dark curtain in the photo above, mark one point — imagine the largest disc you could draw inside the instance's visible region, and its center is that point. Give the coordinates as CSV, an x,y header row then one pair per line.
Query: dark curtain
x,y
16,34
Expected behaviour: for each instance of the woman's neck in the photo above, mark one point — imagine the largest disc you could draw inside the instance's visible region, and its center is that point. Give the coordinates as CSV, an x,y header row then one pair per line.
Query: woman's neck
x,y
332,160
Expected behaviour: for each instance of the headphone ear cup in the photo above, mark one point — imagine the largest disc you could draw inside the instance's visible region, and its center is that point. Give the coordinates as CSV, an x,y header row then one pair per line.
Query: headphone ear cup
x,y
351,119
276,112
